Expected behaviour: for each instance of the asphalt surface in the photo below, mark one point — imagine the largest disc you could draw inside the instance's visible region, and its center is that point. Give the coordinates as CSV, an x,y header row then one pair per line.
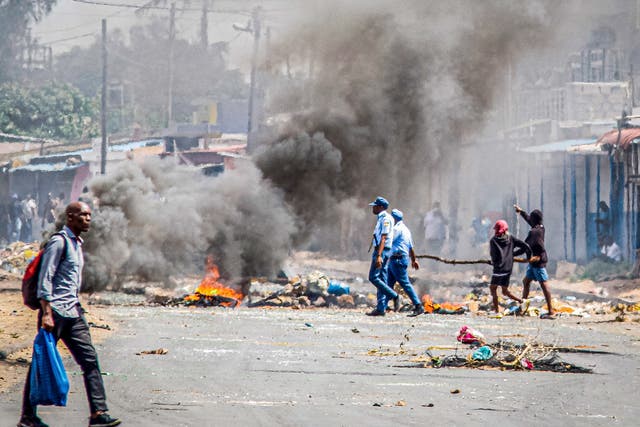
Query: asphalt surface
x,y
254,367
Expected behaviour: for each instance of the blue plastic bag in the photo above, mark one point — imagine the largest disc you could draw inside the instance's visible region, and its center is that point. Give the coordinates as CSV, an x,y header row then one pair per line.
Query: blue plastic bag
x,y
483,353
337,288
49,382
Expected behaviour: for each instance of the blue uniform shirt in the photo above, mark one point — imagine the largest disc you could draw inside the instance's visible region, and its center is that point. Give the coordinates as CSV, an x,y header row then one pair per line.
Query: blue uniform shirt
x,y
402,241
383,226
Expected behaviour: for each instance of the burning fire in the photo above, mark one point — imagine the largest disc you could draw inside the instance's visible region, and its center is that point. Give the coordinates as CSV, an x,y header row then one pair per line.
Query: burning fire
x,y
213,291
431,307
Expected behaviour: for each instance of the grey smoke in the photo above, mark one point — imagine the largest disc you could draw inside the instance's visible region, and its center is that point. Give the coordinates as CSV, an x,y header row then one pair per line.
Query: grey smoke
x,y
160,219
390,91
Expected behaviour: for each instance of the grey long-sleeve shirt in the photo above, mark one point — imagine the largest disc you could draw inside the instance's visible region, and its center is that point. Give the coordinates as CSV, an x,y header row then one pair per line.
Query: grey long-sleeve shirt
x,y
60,280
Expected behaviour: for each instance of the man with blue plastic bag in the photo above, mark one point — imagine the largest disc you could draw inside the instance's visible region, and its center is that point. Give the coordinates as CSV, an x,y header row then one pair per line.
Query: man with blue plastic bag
x,y
48,379
61,314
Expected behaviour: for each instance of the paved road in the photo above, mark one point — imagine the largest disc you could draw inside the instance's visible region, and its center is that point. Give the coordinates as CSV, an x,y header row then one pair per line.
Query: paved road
x,y
251,367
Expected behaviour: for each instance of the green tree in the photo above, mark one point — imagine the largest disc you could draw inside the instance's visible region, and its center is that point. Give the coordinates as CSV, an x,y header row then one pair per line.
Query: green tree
x,y
54,110
140,65
15,17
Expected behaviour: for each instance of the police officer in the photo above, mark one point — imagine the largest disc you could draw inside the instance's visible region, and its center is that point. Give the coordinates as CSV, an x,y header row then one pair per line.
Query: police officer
x,y
382,241
401,250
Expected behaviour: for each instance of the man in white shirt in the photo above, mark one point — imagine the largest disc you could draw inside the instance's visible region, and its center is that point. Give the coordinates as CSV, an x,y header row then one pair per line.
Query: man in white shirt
x,y
402,255
382,242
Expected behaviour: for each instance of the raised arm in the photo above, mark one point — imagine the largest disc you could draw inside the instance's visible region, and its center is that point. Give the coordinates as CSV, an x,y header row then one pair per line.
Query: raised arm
x,y
523,214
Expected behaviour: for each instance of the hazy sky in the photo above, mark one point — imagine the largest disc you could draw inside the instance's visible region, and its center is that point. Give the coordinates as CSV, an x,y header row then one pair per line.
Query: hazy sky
x,y
73,23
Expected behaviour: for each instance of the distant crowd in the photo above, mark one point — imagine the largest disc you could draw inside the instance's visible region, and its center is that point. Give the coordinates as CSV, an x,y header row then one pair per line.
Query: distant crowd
x,y
23,219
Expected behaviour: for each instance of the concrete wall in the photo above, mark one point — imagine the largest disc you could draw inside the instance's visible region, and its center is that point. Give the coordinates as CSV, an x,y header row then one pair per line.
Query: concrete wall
x,y
596,101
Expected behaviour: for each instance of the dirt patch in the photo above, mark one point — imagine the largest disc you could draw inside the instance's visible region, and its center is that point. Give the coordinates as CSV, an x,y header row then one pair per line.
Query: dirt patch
x,y
18,329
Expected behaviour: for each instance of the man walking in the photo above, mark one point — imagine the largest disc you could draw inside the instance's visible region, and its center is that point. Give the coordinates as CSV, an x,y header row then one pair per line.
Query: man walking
x,y
62,315
49,211
16,218
29,213
401,250
382,241
536,270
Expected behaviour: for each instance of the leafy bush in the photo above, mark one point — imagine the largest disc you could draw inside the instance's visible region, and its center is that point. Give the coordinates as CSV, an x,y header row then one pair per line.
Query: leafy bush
x,y
54,110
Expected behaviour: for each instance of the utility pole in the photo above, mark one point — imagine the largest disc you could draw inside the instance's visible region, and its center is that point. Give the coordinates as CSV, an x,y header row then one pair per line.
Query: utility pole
x,y
256,27
103,106
172,35
204,25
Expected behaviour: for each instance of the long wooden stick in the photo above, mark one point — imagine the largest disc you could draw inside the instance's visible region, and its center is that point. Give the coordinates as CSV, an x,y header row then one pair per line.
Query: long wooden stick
x,y
463,261
455,261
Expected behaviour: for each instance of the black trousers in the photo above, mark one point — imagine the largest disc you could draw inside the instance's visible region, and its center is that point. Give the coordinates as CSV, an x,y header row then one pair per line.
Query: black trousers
x,y
74,333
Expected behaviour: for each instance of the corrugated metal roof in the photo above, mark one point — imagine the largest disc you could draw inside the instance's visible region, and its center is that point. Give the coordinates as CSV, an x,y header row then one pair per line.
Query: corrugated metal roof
x,y
135,144
565,145
627,137
48,167
115,147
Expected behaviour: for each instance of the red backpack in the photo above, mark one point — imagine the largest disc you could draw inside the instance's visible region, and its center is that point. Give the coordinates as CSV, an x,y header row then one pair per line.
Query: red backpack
x,y
31,276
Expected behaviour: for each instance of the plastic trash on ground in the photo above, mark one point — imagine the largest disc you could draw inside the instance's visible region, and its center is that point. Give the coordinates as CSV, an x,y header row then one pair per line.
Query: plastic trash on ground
x,y
482,353
526,364
512,310
337,288
318,283
468,335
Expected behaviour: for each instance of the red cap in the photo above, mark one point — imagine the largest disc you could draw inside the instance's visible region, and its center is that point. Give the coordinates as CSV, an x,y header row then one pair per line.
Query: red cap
x,y
501,227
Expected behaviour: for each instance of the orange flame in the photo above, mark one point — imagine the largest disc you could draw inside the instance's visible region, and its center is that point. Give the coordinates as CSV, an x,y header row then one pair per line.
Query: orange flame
x,y
210,286
430,306
427,302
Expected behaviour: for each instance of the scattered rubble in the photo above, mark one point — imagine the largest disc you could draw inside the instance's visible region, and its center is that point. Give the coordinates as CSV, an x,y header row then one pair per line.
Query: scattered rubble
x,y
317,290
312,290
17,255
95,325
550,362
504,355
160,351
530,355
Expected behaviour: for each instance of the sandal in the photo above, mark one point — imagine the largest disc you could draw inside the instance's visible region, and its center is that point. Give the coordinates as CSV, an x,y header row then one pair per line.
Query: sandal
x,y
548,316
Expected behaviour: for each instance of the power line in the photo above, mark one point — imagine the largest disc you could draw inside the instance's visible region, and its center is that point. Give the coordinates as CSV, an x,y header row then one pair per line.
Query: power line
x,y
70,38
86,24
125,5
131,6
75,28
95,33
185,9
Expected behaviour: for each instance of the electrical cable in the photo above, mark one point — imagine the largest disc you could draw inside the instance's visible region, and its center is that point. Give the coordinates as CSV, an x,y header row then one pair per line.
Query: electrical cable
x,y
93,33
148,7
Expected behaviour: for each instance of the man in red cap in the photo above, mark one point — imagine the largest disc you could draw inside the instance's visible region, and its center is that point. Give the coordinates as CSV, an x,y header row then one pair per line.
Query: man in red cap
x,y
503,247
